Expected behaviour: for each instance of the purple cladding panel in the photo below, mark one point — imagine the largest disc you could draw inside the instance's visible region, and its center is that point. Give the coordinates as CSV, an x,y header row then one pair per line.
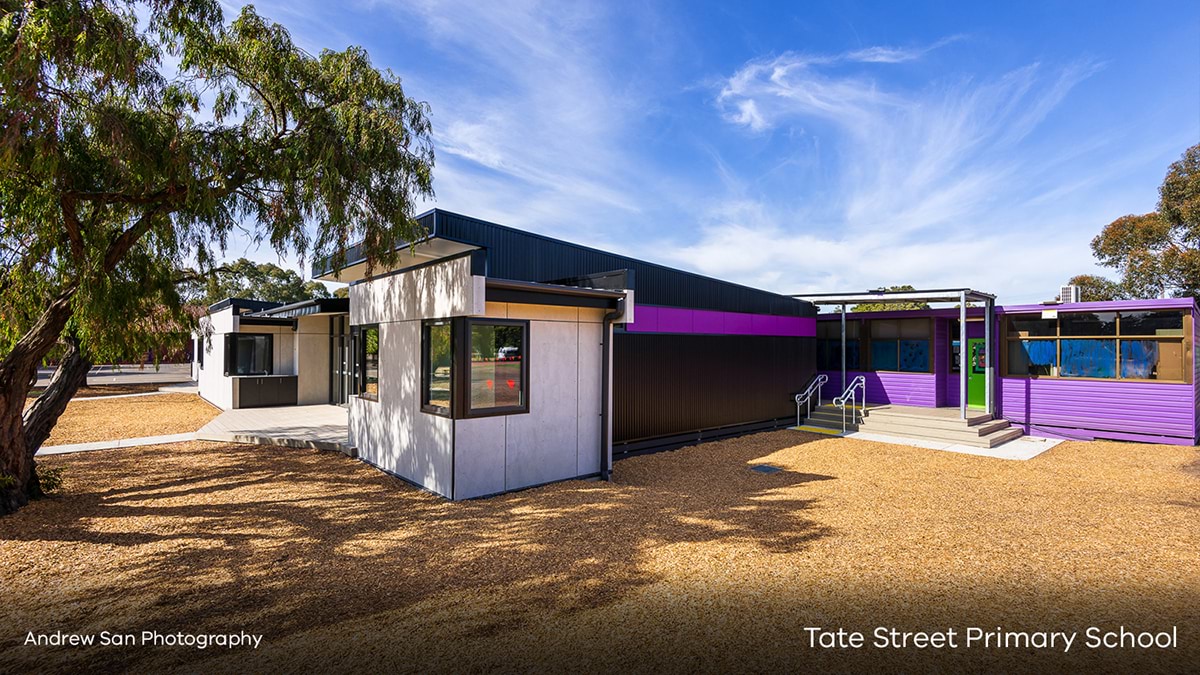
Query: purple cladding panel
x,y
673,320
1145,411
915,389
655,319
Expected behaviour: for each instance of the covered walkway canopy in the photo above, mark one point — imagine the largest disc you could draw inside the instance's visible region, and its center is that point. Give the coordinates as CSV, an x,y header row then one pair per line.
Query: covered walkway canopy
x,y
960,295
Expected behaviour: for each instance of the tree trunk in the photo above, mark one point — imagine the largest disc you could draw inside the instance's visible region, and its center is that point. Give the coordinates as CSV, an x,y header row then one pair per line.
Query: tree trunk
x,y
18,374
39,419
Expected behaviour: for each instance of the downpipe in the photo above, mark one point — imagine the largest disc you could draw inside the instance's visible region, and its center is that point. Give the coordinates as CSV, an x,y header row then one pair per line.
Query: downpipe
x,y
606,388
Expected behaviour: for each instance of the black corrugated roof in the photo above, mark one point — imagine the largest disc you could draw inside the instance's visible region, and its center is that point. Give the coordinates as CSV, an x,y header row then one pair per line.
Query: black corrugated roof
x,y
526,256
242,303
306,307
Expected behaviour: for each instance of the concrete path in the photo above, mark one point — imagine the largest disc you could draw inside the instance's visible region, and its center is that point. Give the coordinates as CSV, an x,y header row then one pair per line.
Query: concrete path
x,y
119,443
305,426
1025,447
323,427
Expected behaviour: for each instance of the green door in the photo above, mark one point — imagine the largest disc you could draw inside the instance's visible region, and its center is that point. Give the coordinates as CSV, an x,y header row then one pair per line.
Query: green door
x,y
976,373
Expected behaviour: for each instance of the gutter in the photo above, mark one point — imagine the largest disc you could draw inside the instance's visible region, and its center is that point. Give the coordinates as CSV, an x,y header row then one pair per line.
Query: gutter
x,y
606,388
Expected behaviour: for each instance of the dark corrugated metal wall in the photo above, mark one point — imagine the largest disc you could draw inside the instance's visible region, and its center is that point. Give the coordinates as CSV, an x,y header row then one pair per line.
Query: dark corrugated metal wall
x,y
523,256
666,385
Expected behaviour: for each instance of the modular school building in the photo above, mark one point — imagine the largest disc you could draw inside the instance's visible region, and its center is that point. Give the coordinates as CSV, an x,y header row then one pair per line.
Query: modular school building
x,y
490,359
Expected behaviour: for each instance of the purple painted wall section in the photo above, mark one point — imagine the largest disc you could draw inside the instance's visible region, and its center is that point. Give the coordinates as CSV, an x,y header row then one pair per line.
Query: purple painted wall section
x,y
1163,413
886,387
1195,377
656,319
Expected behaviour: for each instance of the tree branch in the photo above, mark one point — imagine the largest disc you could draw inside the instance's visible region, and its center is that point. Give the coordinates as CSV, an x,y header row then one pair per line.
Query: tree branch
x,y
74,233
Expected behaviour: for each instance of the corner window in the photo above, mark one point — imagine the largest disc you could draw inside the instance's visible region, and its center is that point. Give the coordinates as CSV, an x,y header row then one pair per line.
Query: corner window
x,y
249,354
437,367
368,363
200,341
498,374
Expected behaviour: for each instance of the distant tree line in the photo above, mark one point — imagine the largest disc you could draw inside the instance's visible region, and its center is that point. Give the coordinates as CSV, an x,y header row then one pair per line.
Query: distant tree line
x,y
244,278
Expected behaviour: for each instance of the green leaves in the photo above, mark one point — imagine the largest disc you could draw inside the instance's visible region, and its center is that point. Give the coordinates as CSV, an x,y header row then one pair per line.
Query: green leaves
x,y
117,169
1159,253
244,278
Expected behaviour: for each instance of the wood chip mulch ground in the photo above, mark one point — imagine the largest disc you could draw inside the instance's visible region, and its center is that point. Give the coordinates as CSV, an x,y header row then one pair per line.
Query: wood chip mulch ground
x,y
688,562
106,419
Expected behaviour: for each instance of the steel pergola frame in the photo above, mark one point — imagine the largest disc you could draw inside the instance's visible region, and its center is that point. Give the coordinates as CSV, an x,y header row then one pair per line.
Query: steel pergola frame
x,y
960,295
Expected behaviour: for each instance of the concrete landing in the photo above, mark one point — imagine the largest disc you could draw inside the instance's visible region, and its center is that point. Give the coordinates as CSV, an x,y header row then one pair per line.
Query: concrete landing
x,y
324,427
1022,448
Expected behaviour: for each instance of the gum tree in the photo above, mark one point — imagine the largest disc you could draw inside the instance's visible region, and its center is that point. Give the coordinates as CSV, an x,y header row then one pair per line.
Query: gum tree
x,y
135,138
1158,253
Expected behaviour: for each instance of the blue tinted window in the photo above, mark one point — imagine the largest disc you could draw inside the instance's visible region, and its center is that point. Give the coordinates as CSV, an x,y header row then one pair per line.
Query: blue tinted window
x,y
883,355
1032,357
1089,358
914,356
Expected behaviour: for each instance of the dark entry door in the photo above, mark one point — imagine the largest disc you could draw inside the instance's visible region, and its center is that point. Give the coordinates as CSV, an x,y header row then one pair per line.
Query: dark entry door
x,y
339,360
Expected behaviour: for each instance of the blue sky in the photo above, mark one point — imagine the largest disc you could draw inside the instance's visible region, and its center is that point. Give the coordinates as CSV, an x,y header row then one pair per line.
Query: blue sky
x,y
796,146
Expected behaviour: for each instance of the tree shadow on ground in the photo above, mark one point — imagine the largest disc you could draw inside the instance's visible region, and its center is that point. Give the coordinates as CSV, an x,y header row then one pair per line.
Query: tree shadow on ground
x,y
209,537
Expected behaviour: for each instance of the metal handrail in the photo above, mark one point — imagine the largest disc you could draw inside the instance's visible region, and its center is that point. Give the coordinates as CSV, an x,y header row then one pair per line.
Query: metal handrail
x,y
805,397
857,384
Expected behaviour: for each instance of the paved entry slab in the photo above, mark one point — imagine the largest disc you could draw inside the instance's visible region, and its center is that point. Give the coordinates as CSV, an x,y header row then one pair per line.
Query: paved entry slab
x,y
300,426
1025,447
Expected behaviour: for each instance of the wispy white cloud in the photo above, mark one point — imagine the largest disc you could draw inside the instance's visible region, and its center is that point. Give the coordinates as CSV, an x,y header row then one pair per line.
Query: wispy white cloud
x,y
533,104
883,54
926,178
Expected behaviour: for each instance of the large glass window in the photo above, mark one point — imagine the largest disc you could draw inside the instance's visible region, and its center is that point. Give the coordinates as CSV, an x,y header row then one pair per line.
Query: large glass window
x,y
899,344
1088,323
251,354
829,345
884,344
1088,358
1032,325
1143,345
437,367
1032,357
368,370
1152,323
498,366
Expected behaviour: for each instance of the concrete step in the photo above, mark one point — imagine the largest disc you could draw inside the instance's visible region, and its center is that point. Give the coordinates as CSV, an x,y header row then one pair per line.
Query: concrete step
x,y
912,426
908,416
831,416
813,429
962,437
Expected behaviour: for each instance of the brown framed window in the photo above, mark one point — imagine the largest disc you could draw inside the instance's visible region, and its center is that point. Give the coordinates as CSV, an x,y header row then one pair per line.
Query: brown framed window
x,y
899,345
1148,345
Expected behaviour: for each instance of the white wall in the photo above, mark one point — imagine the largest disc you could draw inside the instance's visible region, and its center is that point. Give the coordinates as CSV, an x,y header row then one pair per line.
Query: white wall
x,y
436,291
393,433
214,386
559,438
